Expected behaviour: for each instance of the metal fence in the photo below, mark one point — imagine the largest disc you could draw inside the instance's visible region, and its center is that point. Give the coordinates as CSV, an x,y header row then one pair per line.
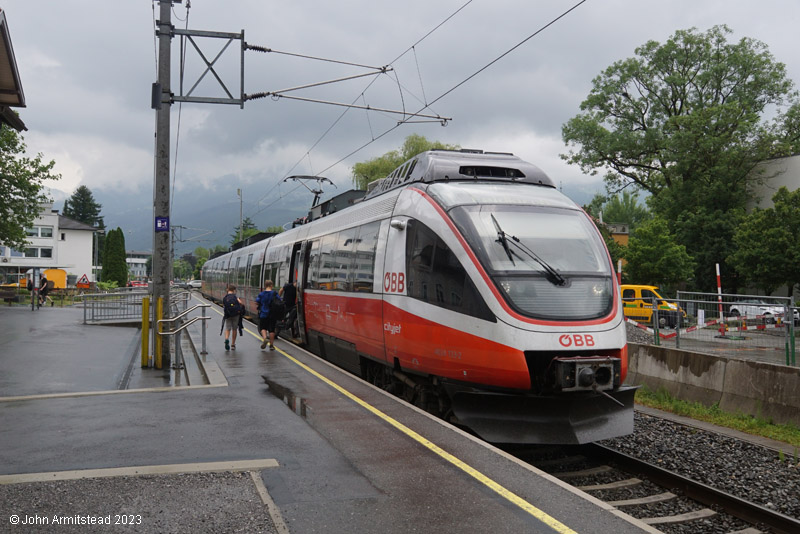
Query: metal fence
x,y
742,326
124,306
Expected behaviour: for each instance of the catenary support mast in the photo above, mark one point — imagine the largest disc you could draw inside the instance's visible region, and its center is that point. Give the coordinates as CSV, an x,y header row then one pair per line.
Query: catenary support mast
x,y
161,190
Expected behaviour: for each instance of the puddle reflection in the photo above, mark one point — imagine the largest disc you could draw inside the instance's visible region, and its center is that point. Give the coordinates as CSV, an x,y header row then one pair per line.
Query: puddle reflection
x,y
297,404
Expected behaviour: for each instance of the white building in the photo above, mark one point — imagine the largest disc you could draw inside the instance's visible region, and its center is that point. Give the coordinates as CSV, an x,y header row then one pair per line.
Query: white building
x,y
777,173
137,264
54,242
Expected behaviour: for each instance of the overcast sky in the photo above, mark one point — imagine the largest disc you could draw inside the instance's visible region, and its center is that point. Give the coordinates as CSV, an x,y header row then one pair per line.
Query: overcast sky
x,y
87,69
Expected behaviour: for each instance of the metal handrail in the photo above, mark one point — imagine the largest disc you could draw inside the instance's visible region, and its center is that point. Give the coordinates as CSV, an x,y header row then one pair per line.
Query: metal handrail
x,y
179,364
184,312
187,323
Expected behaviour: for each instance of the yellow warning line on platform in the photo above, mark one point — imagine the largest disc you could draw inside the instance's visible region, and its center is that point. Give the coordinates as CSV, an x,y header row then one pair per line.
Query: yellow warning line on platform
x,y
474,473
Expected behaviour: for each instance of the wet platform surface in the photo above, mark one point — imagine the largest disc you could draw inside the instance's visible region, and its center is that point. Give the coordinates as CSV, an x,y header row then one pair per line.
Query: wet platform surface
x,y
319,451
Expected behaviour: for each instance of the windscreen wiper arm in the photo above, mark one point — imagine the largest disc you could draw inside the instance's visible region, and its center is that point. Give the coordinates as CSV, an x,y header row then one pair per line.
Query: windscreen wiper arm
x,y
501,238
552,274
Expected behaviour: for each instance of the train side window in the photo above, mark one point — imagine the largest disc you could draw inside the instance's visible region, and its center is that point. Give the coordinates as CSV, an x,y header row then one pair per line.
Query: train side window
x,y
343,259
255,276
271,273
248,270
431,264
363,266
313,266
235,271
326,246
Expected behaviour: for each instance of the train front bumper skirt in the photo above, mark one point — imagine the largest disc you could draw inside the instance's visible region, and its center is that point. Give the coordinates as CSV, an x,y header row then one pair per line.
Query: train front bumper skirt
x,y
572,418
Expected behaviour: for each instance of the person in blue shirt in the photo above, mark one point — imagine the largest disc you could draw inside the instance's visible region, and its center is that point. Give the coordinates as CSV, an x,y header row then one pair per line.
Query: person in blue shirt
x,y
266,324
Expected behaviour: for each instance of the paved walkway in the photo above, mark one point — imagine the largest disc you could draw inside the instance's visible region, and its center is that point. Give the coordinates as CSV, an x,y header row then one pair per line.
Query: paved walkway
x,y
343,457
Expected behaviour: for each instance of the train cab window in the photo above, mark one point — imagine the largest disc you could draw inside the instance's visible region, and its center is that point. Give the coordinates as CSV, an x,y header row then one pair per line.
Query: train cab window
x,y
363,265
430,264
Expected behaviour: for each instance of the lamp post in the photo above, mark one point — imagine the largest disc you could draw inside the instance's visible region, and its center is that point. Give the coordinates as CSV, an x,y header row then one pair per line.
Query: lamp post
x,y
241,222
96,234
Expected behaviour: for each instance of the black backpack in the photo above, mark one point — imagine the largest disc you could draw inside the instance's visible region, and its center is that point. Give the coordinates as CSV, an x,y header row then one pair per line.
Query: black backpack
x,y
231,305
277,308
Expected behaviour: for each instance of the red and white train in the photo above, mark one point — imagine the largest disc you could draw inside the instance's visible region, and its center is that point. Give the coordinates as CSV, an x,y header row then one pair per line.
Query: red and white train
x,y
466,282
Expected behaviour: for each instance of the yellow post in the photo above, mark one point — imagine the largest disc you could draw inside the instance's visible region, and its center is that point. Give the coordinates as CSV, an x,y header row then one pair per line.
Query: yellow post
x,y
157,333
145,331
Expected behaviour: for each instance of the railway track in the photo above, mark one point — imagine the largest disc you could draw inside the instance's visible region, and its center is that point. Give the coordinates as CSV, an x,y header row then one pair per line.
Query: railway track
x,y
667,501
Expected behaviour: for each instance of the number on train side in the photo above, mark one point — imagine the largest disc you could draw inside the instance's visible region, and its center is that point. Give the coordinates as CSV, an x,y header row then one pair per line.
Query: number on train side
x,y
394,282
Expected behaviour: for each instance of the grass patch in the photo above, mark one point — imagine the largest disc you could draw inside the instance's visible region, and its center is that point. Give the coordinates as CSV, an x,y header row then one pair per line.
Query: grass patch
x,y
756,426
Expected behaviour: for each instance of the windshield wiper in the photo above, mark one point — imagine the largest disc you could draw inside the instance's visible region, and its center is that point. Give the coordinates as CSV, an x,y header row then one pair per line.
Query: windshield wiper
x,y
501,237
552,275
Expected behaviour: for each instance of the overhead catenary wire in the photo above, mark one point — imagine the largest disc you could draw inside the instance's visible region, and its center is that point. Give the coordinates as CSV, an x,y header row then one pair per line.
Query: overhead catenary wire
x,y
346,110
465,80
180,110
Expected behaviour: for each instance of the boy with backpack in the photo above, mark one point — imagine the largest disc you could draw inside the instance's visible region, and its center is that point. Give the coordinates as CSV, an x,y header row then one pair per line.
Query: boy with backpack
x,y
233,308
270,310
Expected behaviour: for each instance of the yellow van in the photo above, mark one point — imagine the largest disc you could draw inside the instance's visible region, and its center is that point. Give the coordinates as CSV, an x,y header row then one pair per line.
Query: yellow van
x,y
638,302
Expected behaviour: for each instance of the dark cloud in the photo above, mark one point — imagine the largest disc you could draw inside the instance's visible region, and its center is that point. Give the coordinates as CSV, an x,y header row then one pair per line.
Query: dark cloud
x,y
87,68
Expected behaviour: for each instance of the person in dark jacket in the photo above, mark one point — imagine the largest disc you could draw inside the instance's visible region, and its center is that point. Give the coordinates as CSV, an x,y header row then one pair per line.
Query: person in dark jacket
x,y
266,324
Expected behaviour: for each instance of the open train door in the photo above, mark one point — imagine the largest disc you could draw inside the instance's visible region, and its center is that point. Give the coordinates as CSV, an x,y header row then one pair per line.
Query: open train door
x,y
298,273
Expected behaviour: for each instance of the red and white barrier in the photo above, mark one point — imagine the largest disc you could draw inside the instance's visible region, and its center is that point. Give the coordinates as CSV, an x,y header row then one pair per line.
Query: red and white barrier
x,y
723,328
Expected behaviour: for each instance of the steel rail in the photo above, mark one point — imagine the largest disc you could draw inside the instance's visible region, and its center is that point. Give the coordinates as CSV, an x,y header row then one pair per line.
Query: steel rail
x,y
745,510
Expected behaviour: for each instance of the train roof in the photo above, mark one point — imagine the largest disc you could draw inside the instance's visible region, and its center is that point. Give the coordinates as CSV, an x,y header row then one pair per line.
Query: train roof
x,y
460,165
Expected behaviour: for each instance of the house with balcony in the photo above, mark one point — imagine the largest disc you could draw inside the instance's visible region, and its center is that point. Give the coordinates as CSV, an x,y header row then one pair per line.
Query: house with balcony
x,y
54,242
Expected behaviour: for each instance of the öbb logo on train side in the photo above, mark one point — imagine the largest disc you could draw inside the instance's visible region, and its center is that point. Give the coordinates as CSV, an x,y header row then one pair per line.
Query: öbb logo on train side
x,y
576,340
394,282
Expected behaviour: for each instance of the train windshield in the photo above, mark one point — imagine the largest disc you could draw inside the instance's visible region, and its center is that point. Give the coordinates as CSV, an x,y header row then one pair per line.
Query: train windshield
x,y
548,261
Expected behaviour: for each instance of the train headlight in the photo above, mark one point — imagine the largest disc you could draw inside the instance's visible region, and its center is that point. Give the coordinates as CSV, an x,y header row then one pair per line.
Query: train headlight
x,y
599,290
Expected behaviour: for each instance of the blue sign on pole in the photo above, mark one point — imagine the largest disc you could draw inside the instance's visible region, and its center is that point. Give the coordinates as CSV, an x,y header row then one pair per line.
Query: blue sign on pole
x,y
162,224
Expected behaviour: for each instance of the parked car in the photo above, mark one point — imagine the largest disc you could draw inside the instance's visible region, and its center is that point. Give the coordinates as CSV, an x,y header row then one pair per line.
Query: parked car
x,y
196,284
638,303
758,308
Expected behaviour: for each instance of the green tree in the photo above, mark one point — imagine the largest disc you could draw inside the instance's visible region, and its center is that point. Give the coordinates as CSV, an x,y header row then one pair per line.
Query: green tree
x,y
621,209
768,244
625,209
202,254
688,121
115,268
198,268
21,187
654,257
274,229
181,269
248,230
380,167
615,250
81,206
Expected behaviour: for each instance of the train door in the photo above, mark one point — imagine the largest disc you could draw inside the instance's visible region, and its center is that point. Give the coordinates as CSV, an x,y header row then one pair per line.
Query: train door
x,y
394,285
298,273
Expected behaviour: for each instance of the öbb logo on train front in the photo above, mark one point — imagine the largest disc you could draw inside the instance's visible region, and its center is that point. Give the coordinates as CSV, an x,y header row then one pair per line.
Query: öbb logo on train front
x,y
576,340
